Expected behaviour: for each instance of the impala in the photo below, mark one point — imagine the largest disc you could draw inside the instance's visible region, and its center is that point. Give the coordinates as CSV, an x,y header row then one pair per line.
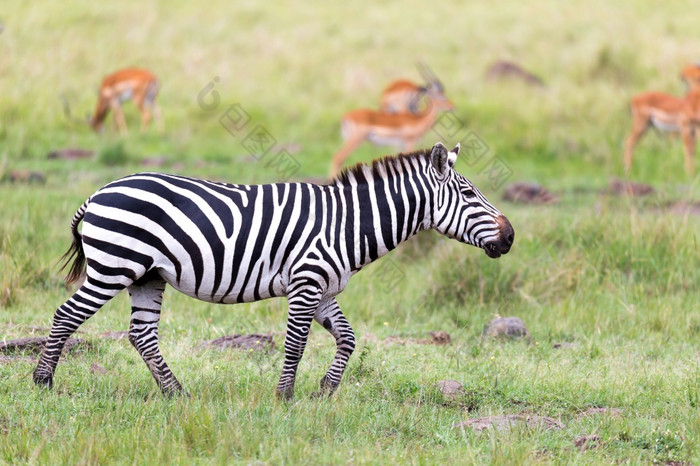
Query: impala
x,y
388,129
403,96
667,113
135,84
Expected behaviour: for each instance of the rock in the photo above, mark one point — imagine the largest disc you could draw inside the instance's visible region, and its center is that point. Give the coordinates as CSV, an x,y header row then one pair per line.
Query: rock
x,y
70,154
441,338
528,193
629,188
450,388
511,327
505,422
254,342
504,69
587,441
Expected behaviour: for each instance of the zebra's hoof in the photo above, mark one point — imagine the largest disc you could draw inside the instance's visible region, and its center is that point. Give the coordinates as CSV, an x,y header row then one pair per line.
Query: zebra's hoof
x,y
173,391
285,395
43,380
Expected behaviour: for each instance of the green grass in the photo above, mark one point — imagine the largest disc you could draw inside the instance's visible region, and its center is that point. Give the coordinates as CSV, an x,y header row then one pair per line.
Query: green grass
x,y
616,277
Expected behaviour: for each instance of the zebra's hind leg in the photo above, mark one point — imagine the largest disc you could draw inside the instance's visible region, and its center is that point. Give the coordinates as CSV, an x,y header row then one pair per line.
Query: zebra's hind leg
x,y
91,296
146,301
331,317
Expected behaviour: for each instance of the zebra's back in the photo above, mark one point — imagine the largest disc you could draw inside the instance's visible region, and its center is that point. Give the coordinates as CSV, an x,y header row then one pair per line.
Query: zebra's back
x,y
213,241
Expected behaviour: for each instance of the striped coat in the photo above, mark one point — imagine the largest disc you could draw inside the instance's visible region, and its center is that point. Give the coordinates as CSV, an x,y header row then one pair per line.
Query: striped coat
x,y
228,243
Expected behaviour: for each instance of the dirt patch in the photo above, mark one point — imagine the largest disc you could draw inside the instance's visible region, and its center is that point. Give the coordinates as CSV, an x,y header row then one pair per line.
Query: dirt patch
x,y
587,442
504,69
629,188
595,411
683,207
528,193
565,345
115,335
36,345
154,161
17,358
255,342
509,327
26,176
70,154
507,421
436,338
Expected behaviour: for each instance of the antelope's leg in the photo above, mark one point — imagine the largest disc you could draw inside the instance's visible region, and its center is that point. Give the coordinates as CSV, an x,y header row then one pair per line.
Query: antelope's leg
x,y
640,124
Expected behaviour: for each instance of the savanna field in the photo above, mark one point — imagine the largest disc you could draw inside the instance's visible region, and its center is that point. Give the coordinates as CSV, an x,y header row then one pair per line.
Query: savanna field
x,y
607,284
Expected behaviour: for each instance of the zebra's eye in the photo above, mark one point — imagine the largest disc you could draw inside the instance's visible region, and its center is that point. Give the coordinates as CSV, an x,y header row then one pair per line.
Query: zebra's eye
x,y
468,192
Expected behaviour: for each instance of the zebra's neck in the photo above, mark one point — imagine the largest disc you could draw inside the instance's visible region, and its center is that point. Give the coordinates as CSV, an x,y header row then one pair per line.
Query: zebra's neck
x,y
386,204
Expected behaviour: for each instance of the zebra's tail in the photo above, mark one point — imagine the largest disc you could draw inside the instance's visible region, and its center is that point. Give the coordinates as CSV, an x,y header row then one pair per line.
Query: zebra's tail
x,y
75,253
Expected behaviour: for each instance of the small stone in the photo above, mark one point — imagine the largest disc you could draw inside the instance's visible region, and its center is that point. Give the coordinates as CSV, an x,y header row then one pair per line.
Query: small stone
x,y
565,345
510,327
450,388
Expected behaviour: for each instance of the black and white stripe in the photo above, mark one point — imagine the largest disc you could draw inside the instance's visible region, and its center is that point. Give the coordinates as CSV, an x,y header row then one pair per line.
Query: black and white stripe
x,y
238,243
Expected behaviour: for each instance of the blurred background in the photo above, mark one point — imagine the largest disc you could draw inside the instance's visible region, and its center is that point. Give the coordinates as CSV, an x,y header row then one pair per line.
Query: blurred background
x,y
296,68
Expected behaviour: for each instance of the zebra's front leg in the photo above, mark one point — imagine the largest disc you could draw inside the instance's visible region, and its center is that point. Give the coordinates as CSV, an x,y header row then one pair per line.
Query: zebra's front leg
x,y
302,306
146,301
331,317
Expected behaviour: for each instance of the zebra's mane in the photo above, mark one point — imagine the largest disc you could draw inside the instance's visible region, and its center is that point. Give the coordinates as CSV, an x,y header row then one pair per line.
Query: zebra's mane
x,y
378,166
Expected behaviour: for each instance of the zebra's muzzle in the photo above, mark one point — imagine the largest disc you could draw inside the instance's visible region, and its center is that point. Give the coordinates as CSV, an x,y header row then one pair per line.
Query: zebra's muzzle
x,y
495,249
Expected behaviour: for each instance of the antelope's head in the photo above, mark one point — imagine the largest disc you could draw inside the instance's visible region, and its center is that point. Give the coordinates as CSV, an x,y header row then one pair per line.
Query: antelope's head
x,y
461,212
433,88
691,77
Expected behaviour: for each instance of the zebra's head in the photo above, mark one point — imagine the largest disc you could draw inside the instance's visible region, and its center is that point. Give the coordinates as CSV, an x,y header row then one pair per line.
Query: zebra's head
x,y
461,212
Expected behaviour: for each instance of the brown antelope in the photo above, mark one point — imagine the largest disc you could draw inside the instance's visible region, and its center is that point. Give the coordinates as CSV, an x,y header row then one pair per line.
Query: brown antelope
x,y
403,96
667,113
139,85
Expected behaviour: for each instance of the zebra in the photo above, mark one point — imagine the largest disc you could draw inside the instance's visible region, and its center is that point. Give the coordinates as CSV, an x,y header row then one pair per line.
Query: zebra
x,y
228,243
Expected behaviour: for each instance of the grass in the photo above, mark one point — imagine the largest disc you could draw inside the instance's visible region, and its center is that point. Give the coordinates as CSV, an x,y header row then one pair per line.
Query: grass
x,y
614,276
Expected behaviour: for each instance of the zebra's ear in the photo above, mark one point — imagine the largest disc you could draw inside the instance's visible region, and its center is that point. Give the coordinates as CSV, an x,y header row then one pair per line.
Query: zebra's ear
x,y
439,158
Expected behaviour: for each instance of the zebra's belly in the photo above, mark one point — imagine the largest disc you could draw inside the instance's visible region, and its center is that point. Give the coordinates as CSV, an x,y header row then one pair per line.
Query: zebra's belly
x,y
258,288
